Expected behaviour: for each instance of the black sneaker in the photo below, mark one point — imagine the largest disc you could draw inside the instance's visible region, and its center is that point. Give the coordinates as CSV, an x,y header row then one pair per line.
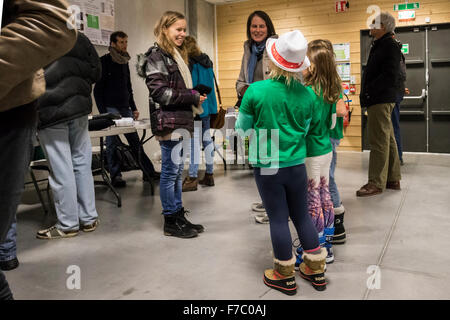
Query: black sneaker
x,y
118,182
9,264
197,227
177,227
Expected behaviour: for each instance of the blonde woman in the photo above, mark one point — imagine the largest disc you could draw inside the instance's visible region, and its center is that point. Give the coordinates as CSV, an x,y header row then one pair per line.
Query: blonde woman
x,y
173,105
281,106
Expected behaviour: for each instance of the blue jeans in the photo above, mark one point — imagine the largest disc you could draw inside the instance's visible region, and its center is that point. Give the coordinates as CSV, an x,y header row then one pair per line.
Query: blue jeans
x,y
204,125
335,197
68,149
8,248
133,141
170,183
284,195
395,117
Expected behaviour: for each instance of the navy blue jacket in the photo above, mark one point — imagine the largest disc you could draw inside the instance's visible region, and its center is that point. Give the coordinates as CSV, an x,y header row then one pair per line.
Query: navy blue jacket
x,y
114,88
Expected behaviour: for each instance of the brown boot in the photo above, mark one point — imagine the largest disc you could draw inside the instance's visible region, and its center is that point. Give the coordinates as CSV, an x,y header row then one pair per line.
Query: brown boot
x,y
208,180
367,190
190,184
313,269
282,277
395,185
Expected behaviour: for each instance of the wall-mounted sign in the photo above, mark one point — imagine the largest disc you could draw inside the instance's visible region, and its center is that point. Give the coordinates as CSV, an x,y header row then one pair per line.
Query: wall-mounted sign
x,y
95,18
342,51
405,48
344,71
408,15
406,6
341,6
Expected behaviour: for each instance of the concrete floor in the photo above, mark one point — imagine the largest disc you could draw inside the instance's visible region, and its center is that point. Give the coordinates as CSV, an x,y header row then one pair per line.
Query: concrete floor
x,y
403,233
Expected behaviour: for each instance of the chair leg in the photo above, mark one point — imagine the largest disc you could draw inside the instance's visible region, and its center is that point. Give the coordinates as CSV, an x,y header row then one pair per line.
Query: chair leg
x,y
36,186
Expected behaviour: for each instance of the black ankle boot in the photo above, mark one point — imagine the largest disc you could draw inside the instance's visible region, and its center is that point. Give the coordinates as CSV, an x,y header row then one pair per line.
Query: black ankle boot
x,y
339,230
197,227
175,226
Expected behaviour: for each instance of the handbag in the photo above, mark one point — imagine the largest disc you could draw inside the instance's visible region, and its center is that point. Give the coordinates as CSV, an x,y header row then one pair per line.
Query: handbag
x,y
217,121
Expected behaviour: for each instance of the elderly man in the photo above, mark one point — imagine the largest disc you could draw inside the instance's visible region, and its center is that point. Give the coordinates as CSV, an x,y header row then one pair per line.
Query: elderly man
x,y
33,34
378,95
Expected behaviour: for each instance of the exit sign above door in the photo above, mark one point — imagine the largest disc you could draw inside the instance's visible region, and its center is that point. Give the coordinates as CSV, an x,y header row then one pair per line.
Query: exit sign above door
x,y
406,6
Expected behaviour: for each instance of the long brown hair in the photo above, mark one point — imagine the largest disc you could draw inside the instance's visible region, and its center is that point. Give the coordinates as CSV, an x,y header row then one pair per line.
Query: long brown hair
x,y
168,19
322,75
192,47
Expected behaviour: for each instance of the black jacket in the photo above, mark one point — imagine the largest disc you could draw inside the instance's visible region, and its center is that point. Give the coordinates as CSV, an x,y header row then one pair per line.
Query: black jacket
x,y
114,88
381,73
69,85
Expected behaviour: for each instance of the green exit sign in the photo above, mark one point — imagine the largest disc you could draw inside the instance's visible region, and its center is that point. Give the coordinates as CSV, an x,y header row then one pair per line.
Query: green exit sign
x,y
405,48
406,6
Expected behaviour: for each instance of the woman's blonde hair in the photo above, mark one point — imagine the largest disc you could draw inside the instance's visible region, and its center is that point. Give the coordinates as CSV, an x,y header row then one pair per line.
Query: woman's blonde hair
x,y
278,73
192,47
322,75
160,31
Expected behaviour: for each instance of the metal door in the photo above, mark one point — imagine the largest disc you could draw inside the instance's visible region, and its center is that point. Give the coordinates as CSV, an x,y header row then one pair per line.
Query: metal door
x,y
439,88
425,112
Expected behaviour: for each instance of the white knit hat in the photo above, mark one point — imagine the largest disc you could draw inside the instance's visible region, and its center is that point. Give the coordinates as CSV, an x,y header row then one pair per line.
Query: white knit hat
x,y
288,52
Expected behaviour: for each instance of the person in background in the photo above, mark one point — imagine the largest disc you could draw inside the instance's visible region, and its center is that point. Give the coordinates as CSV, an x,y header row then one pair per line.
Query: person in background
x,y
255,67
278,111
401,91
202,72
323,79
33,34
378,95
64,137
173,105
114,94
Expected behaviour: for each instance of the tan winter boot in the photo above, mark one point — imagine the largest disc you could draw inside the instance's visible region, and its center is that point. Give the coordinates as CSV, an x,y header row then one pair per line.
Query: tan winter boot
x,y
208,180
190,184
282,277
313,269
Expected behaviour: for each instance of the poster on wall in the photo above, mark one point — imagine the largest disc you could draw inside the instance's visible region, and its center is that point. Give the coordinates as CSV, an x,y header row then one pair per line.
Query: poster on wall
x,y
342,51
95,18
344,71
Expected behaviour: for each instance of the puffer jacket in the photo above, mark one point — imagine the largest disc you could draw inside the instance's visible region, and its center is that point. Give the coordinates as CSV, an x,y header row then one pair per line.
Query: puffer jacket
x,y
33,34
69,84
170,102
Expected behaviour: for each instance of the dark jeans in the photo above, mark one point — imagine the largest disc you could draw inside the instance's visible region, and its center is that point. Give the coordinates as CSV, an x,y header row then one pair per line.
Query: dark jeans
x,y
395,117
133,141
17,127
284,195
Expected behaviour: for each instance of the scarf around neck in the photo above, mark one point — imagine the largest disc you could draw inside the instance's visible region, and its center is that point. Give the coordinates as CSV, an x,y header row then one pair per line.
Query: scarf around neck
x,y
119,57
257,50
187,78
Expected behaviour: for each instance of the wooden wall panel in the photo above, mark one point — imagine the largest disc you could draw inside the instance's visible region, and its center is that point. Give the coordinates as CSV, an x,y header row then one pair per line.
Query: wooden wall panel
x,y
316,19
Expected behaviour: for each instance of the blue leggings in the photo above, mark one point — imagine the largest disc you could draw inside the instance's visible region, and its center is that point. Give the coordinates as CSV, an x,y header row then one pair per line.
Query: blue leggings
x,y
284,195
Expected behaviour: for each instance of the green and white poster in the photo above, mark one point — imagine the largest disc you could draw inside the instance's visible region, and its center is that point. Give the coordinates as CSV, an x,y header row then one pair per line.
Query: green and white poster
x,y
95,18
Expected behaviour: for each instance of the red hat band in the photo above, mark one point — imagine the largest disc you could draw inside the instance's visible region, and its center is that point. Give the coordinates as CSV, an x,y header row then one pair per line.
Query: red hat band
x,y
284,62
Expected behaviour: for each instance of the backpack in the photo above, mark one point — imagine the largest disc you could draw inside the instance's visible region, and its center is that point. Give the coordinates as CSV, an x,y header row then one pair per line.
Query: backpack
x,y
126,158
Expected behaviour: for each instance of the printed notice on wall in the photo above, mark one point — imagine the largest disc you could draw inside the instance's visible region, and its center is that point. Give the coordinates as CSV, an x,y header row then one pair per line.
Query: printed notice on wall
x,y
342,51
344,71
95,18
